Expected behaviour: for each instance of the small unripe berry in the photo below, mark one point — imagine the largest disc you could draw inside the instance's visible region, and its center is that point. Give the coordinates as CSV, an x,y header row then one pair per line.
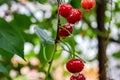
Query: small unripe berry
x,y
75,65
88,4
79,77
65,10
75,16
65,31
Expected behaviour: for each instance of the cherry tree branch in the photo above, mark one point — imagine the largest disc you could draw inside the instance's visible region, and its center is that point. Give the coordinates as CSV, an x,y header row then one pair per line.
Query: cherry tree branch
x,y
56,41
98,32
58,24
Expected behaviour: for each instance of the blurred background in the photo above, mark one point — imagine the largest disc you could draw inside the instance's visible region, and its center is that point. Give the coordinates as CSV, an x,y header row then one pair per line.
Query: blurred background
x,y
18,39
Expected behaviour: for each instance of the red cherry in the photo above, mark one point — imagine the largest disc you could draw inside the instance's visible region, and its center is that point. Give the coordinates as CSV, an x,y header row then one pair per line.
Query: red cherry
x,y
74,65
65,10
88,4
65,31
75,16
79,77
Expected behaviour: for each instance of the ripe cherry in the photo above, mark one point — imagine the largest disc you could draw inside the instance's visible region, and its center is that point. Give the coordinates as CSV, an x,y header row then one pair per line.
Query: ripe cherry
x,y
65,31
79,77
65,10
74,65
88,4
75,16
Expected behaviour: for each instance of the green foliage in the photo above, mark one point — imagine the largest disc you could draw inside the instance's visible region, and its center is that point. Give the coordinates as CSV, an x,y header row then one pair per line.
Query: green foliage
x,y
47,45
3,69
75,3
45,39
14,33
46,52
71,41
5,55
21,21
116,55
10,39
40,1
4,1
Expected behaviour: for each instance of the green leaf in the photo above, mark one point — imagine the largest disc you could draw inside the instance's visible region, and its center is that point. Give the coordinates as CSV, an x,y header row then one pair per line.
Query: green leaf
x,y
21,21
49,51
75,3
71,41
45,39
41,1
58,54
41,55
116,55
29,37
3,54
3,69
10,39
46,52
4,1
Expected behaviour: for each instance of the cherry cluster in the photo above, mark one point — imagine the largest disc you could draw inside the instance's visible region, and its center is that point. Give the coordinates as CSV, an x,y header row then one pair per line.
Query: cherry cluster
x,y
75,66
72,16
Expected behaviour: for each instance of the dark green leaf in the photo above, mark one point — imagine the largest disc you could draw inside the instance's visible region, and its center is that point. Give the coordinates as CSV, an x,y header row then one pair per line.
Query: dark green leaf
x,y
3,69
29,37
4,1
41,56
41,1
46,52
10,39
21,21
71,41
45,39
5,54
116,55
49,51
75,3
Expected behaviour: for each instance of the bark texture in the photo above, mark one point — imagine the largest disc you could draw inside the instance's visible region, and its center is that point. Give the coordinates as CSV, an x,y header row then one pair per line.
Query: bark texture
x,y
101,5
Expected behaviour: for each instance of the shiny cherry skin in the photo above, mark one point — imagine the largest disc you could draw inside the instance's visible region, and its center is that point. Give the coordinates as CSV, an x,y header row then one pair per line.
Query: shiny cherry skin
x,y
88,4
65,31
75,16
79,77
65,10
75,65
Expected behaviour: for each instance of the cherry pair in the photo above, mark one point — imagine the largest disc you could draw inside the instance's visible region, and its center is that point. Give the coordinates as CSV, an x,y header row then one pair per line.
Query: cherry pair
x,y
75,66
72,15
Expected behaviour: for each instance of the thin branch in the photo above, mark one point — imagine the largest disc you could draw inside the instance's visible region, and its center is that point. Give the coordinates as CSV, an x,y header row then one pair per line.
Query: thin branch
x,y
98,32
56,41
113,40
50,63
59,24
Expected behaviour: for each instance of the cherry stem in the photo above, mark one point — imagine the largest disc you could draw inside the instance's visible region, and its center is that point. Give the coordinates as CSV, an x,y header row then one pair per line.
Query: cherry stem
x,y
50,62
58,25
44,54
56,41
